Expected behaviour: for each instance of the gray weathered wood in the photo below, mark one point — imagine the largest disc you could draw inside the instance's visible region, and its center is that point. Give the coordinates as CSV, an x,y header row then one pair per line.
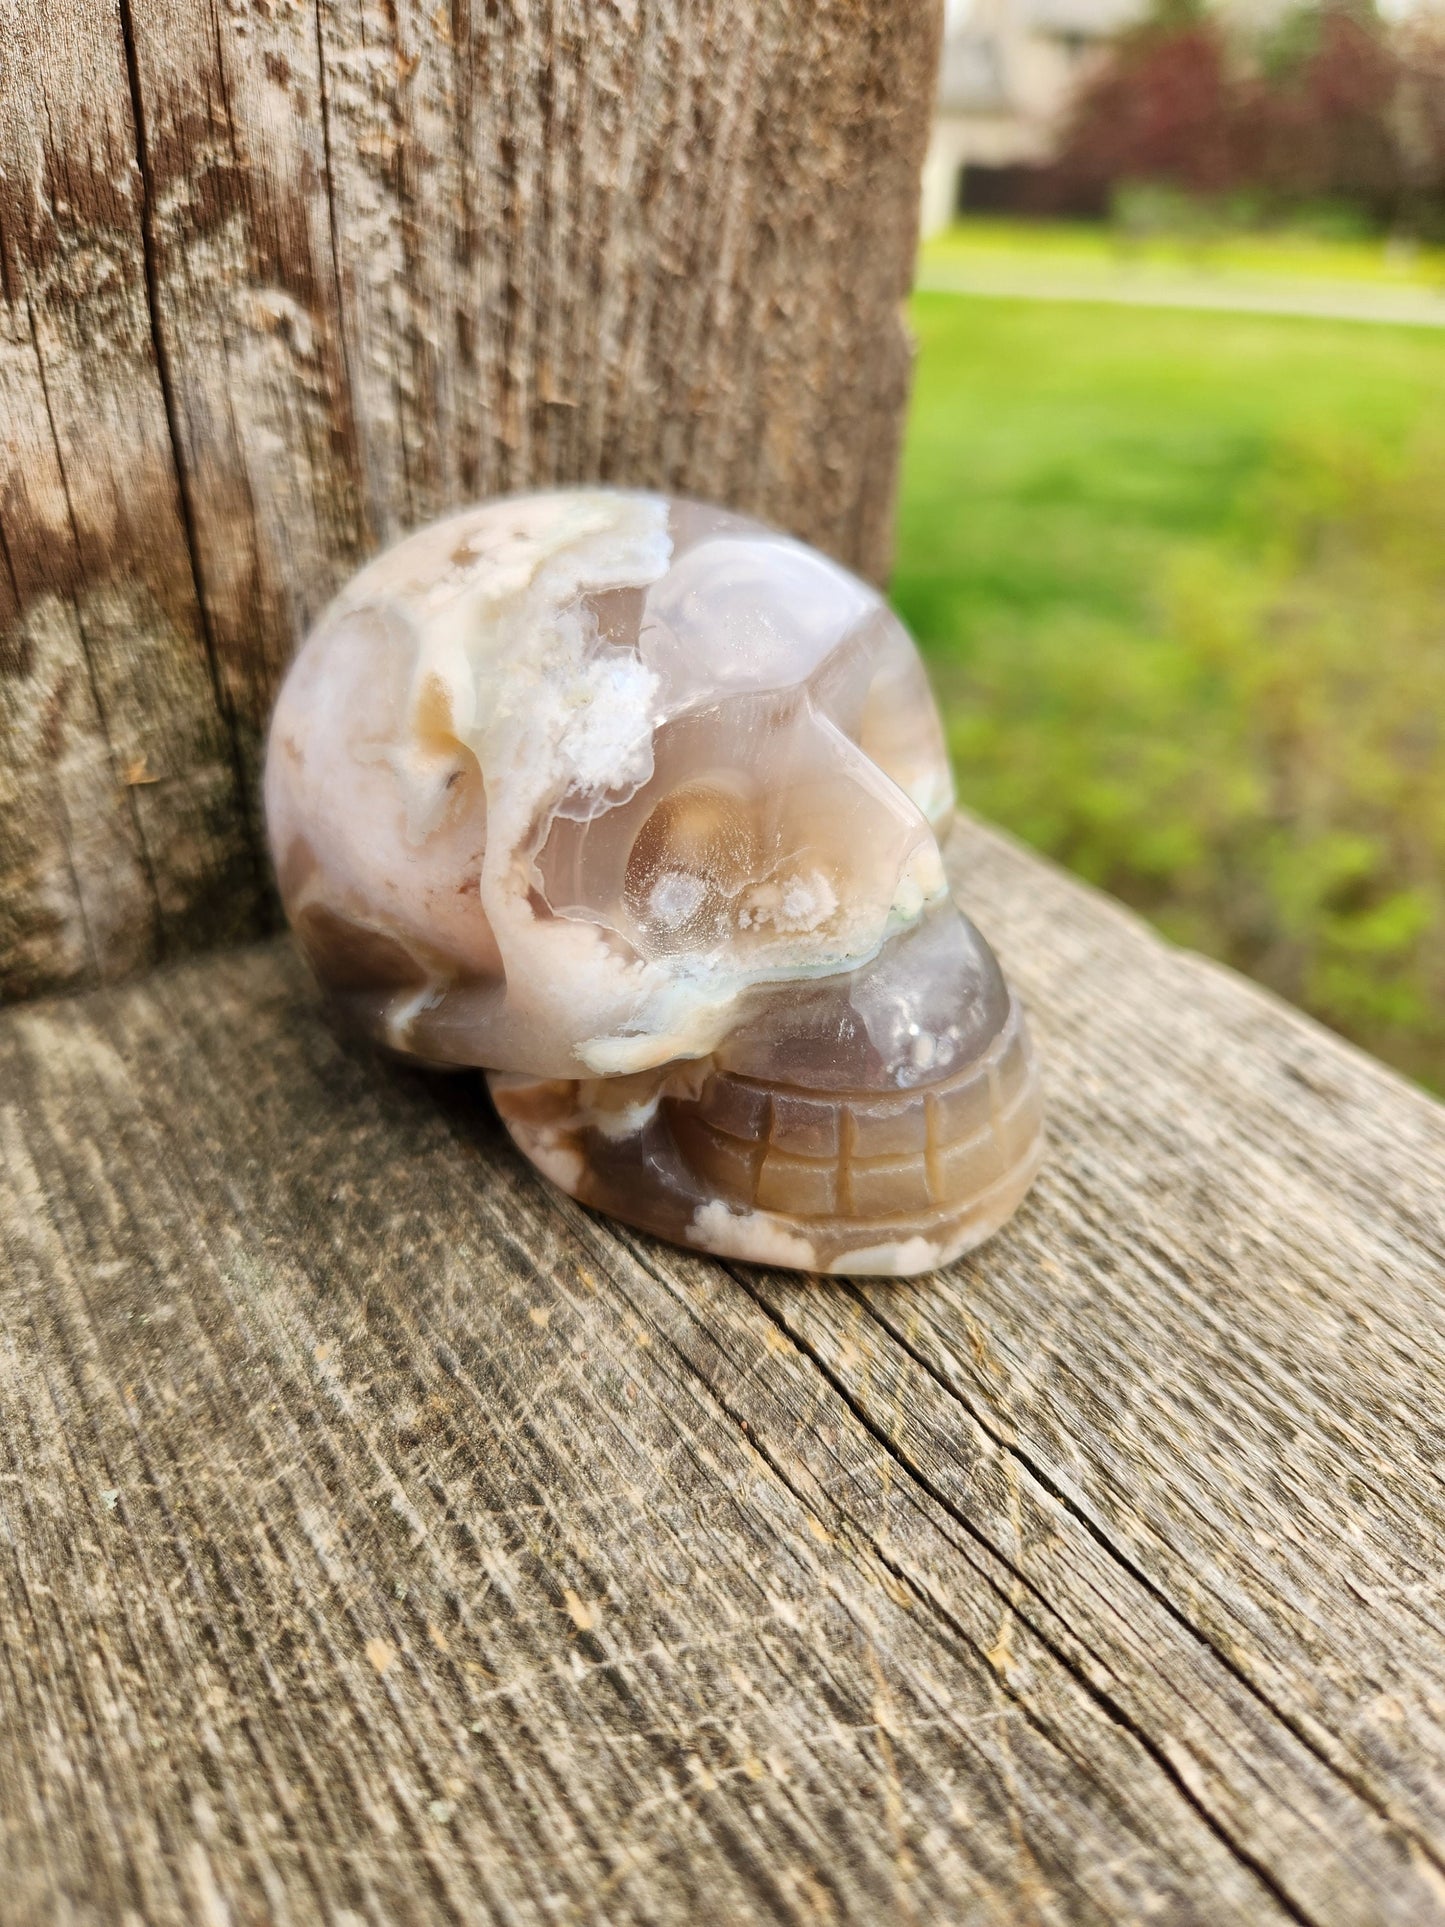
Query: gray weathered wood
x,y
281,278
386,1539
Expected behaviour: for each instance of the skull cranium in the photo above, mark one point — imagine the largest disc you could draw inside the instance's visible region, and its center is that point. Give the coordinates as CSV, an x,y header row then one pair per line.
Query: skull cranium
x,y
636,804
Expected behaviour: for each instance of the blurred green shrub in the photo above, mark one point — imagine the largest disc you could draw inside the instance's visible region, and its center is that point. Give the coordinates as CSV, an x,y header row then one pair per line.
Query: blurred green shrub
x,y
1145,211
1262,770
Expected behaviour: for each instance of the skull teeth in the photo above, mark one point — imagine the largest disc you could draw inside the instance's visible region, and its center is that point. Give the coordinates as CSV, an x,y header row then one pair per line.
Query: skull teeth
x,y
850,1156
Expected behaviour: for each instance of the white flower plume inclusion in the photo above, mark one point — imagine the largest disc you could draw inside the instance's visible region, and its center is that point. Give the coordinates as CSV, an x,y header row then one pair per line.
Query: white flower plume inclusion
x,y
635,803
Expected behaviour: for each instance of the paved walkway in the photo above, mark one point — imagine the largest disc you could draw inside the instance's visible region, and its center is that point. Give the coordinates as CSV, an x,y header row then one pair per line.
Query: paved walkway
x,y
1322,301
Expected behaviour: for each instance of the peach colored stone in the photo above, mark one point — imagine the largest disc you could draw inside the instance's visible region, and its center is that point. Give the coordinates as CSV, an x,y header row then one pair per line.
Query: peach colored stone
x,y
635,803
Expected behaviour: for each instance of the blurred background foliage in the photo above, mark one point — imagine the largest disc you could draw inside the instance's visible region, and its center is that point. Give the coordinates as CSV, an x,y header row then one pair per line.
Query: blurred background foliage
x,y
1180,575
1257,115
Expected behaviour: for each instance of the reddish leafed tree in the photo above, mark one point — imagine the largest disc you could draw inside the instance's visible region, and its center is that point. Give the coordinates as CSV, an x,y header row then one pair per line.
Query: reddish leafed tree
x,y
1420,119
1326,125
1160,109
1348,109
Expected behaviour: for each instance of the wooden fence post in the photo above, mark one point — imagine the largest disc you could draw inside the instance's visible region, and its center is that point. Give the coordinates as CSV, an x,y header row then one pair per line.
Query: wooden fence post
x,y
282,278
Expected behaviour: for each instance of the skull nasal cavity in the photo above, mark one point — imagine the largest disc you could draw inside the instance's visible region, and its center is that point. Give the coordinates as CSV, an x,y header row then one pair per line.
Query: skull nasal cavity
x,y
691,857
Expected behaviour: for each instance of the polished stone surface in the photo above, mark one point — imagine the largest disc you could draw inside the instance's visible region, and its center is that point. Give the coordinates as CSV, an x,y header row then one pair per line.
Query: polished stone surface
x,y
635,803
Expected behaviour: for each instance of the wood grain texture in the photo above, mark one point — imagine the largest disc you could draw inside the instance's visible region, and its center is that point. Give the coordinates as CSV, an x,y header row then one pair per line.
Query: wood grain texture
x,y
384,1538
283,278
106,679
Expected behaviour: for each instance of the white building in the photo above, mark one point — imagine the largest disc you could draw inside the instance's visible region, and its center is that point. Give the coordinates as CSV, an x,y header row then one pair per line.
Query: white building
x,y
1009,69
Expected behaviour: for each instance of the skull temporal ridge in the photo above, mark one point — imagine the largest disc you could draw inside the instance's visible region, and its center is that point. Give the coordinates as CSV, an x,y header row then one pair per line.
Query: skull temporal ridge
x,y
635,803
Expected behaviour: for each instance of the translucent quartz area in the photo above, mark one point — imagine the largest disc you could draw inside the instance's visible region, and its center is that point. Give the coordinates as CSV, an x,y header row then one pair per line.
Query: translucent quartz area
x,y
635,803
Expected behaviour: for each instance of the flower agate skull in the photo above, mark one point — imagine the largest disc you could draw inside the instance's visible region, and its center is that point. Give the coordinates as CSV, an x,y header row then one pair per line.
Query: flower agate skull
x,y
636,804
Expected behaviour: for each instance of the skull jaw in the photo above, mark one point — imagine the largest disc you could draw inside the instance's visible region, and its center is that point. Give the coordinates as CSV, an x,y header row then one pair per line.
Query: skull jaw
x,y
854,1183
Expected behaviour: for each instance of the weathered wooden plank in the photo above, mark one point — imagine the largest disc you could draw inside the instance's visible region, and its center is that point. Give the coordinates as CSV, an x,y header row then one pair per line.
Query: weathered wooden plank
x,y
282,279
248,303
386,1537
120,828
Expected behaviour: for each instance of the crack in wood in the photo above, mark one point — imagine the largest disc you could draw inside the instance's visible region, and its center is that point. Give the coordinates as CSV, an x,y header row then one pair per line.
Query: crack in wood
x,y
225,709
1130,1566
1108,1704
143,854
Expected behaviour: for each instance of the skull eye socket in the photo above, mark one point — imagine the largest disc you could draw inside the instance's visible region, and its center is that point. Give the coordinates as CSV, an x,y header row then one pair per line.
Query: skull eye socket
x,y
688,862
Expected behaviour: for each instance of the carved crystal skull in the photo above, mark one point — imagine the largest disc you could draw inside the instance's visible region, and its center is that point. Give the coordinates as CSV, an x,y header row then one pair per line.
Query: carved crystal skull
x,y
635,803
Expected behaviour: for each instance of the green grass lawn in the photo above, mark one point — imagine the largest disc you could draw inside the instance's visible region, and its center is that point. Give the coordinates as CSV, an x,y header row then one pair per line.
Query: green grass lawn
x,y
1071,249
1181,580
